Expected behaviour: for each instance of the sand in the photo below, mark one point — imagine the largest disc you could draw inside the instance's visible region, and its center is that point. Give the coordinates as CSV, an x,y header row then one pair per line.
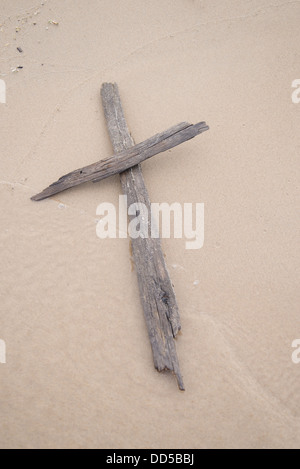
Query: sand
x,y
79,370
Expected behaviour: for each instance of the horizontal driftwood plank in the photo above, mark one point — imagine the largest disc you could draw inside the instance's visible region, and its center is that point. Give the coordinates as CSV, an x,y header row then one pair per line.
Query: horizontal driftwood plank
x,y
125,159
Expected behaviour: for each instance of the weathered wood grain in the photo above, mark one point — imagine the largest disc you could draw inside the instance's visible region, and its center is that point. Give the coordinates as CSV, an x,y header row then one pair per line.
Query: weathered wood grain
x,y
125,159
156,290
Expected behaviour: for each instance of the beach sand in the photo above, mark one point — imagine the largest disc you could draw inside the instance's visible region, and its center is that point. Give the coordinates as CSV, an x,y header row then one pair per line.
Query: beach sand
x,y
79,370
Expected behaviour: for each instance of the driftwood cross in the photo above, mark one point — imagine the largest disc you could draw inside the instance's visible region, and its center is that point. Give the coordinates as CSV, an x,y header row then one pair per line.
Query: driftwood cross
x,y
156,290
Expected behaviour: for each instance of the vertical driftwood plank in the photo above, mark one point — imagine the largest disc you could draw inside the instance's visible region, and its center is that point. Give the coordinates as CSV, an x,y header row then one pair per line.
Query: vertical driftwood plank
x,y
156,290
